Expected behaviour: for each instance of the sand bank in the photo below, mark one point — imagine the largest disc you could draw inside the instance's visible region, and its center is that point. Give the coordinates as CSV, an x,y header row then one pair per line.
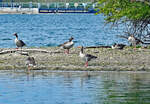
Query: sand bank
x,y
54,59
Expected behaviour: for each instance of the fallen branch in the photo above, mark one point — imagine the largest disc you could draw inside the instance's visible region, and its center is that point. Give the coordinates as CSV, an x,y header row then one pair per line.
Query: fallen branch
x,y
98,47
27,50
122,36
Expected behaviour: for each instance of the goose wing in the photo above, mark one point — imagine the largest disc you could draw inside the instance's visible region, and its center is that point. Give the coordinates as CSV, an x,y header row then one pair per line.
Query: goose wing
x,y
20,43
89,57
67,45
62,44
33,61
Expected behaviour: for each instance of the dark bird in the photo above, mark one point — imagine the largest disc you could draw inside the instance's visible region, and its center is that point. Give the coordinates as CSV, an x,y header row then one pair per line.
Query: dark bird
x,y
67,45
86,57
118,46
19,43
30,62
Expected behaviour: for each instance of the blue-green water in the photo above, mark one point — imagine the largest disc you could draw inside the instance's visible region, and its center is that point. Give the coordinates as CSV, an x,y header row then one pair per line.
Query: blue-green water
x,y
53,29
45,87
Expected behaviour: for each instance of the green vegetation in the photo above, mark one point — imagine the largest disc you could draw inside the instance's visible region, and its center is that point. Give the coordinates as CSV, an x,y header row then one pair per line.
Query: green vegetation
x,y
46,1
134,14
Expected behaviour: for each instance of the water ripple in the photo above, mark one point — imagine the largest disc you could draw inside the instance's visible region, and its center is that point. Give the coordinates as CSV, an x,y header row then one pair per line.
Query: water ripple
x,y
51,30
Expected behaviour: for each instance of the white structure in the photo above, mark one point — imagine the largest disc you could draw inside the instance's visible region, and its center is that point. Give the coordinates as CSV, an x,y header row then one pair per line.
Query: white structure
x,y
84,5
75,5
67,5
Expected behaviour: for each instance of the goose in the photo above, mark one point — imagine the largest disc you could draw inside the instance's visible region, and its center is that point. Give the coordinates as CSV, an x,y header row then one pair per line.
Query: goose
x,y
19,43
30,62
86,57
117,46
134,41
67,45
131,39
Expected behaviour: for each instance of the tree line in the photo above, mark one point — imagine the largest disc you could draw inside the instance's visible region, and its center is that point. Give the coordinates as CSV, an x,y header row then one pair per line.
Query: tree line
x,y
133,14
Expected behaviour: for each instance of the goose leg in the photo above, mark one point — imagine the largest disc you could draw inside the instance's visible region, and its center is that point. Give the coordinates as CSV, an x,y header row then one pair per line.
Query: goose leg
x,y
28,70
17,48
21,50
134,47
67,51
86,64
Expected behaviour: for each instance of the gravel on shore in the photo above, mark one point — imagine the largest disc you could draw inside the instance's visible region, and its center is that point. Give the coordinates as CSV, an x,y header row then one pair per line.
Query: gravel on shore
x,y
54,58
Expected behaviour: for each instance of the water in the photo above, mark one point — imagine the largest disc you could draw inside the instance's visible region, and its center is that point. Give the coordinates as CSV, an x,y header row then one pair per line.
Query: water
x,y
74,87
53,29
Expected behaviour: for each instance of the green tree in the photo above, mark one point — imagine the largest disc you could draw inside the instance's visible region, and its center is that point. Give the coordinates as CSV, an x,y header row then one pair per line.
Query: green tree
x,y
133,14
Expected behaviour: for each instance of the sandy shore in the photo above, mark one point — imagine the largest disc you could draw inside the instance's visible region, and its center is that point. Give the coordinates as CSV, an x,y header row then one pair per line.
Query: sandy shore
x,y
54,59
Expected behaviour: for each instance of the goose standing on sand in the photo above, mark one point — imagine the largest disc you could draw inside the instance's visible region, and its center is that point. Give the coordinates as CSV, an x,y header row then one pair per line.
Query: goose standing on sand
x,y
30,62
131,39
67,45
117,46
19,43
134,41
86,57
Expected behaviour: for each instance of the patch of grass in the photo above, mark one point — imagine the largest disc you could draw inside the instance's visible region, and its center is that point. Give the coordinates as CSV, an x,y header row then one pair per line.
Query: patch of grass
x,y
1,61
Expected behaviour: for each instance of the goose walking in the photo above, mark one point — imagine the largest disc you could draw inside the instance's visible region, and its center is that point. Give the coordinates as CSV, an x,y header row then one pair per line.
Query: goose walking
x,y
30,62
86,57
67,45
19,43
131,39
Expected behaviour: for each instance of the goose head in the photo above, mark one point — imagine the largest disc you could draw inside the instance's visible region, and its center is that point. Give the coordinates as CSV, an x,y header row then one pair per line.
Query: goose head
x,y
15,34
71,38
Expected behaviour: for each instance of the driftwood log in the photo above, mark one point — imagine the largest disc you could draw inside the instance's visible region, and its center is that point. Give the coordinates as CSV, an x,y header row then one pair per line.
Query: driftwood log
x,y
46,59
98,47
40,50
26,51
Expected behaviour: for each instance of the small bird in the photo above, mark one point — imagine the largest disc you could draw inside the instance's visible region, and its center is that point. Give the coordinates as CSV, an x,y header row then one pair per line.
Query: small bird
x,y
118,46
86,57
67,45
30,62
19,43
134,41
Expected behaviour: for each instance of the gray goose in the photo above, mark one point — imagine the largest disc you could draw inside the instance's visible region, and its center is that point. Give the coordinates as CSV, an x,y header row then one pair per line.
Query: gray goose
x,y
86,57
134,41
19,43
131,39
30,62
67,45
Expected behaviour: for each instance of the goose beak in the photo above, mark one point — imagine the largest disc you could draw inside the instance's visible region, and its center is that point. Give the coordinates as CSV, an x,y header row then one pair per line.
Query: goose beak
x,y
79,47
15,34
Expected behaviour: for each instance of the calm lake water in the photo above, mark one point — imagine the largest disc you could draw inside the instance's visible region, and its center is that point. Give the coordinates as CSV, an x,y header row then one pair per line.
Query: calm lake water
x,y
44,87
53,29
74,87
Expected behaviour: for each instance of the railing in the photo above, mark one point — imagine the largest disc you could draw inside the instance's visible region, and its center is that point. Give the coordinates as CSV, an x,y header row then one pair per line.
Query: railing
x,y
53,7
48,5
